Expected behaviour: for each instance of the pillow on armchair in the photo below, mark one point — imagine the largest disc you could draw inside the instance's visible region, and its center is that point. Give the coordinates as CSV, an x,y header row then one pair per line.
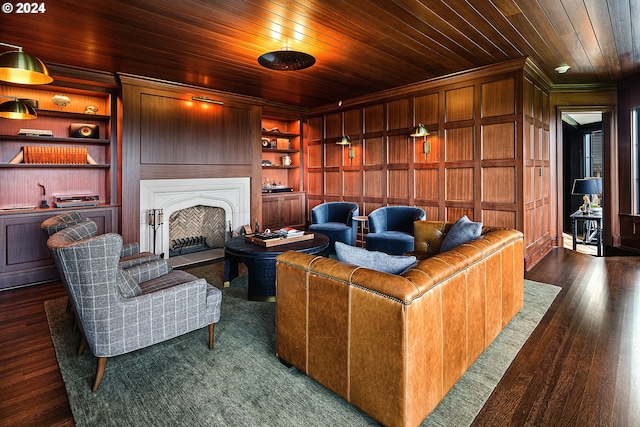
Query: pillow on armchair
x,y
379,261
464,230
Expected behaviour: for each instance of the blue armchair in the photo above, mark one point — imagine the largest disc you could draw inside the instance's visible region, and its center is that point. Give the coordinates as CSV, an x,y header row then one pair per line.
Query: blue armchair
x,y
118,310
335,220
391,229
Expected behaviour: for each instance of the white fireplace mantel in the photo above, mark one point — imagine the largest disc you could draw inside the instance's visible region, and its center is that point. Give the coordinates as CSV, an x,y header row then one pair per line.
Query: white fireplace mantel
x,y
171,195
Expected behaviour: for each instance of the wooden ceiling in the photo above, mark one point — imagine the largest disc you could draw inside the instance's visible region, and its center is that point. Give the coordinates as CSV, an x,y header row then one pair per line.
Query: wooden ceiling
x,y
360,46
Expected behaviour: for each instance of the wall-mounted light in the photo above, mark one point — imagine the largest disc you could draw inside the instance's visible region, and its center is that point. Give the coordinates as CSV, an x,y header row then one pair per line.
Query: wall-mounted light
x,y
22,68
17,109
345,140
422,131
207,99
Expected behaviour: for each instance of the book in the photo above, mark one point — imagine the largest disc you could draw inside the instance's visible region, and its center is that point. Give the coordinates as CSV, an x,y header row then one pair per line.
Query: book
x,y
289,232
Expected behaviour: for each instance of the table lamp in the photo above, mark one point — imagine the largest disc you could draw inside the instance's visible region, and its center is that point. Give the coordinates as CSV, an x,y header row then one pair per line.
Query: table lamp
x,y
586,187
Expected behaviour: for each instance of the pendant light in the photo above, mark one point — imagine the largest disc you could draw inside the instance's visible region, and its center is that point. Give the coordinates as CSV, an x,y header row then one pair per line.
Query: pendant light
x,y
17,110
19,67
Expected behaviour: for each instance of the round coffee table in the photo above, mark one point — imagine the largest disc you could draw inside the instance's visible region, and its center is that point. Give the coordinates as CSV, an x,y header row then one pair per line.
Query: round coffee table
x,y
261,262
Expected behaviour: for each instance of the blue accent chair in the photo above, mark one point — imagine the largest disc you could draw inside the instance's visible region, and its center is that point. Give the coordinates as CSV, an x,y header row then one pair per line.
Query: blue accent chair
x,y
335,220
391,229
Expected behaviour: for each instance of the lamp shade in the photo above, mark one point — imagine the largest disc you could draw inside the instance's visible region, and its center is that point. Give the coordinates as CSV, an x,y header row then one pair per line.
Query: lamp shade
x,y
586,186
17,110
420,130
22,68
344,141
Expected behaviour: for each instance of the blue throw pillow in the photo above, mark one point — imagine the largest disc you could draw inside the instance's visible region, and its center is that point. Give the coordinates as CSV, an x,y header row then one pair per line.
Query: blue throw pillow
x,y
464,230
379,261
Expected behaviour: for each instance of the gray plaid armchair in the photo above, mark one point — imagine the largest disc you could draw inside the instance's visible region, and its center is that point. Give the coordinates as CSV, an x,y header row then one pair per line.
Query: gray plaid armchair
x,y
120,310
130,256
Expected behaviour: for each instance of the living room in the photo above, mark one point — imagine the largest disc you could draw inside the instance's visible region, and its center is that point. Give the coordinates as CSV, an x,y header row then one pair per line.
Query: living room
x,y
494,143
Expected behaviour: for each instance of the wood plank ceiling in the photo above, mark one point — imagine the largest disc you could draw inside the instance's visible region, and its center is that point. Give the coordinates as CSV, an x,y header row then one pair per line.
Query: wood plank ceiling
x,y
360,46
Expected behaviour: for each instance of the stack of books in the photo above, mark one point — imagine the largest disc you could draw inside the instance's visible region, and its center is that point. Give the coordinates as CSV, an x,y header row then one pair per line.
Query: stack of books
x,y
289,232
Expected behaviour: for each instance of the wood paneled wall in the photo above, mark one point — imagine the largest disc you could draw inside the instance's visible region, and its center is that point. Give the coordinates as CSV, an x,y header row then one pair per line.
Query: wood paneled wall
x,y
628,100
488,159
167,135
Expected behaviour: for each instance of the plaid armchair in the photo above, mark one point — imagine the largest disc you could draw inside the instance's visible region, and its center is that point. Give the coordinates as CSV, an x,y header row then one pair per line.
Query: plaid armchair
x,y
130,256
118,310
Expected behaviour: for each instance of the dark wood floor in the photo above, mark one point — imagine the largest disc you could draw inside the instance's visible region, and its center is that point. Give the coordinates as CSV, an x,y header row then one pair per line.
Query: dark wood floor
x,y
575,370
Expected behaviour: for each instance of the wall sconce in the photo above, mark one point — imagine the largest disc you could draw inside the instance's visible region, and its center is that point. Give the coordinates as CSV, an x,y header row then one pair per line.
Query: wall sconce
x,y
22,68
17,109
422,131
345,140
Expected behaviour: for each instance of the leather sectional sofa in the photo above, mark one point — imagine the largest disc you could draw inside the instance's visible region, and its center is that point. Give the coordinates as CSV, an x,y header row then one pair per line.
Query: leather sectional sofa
x,y
394,345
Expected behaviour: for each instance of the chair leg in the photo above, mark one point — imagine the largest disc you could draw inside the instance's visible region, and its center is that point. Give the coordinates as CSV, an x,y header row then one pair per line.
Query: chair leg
x,y
82,345
211,328
102,364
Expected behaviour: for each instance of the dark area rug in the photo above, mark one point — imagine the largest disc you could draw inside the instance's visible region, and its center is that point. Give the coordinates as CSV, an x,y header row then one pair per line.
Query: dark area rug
x,y
241,381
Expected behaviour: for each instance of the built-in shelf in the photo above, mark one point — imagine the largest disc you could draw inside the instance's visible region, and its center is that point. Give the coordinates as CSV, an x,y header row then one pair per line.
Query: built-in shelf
x,y
53,165
53,139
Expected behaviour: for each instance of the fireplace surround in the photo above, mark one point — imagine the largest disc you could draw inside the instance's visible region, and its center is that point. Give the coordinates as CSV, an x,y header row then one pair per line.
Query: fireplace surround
x,y
171,195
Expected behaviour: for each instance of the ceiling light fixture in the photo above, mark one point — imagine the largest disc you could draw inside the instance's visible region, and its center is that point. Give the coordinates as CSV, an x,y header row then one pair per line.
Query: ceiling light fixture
x,y
22,68
286,60
17,109
562,68
422,131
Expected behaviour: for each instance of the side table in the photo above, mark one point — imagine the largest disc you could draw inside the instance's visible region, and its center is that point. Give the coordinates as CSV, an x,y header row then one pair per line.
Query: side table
x,y
362,219
261,262
596,217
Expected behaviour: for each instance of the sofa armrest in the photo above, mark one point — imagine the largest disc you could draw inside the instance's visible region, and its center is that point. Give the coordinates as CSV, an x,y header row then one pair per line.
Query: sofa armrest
x,y
149,270
129,249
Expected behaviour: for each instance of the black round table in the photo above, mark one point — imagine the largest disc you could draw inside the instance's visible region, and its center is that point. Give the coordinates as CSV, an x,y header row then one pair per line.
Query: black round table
x,y
261,262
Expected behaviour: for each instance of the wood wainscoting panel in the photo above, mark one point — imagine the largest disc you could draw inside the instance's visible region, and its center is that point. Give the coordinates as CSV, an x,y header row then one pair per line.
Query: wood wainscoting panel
x,y
455,213
332,183
398,149
459,184
352,183
373,151
498,218
373,183
373,118
434,148
353,122
426,110
398,184
427,184
499,185
431,212
458,144
315,155
498,98
333,126
315,129
316,183
459,104
190,134
499,141
370,207
333,154
398,114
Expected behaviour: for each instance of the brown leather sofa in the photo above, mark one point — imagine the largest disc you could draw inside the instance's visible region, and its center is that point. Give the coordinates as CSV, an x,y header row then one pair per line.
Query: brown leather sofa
x,y
393,345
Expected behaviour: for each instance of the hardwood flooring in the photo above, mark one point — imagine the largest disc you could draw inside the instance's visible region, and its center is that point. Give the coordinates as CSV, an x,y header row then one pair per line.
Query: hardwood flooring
x,y
576,369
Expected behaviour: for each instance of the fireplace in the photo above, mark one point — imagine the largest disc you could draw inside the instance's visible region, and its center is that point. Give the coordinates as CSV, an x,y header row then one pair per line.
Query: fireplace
x,y
179,201
195,229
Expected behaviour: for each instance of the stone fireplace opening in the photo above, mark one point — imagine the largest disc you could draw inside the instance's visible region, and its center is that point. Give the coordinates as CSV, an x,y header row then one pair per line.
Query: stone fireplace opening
x,y
195,229
162,202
